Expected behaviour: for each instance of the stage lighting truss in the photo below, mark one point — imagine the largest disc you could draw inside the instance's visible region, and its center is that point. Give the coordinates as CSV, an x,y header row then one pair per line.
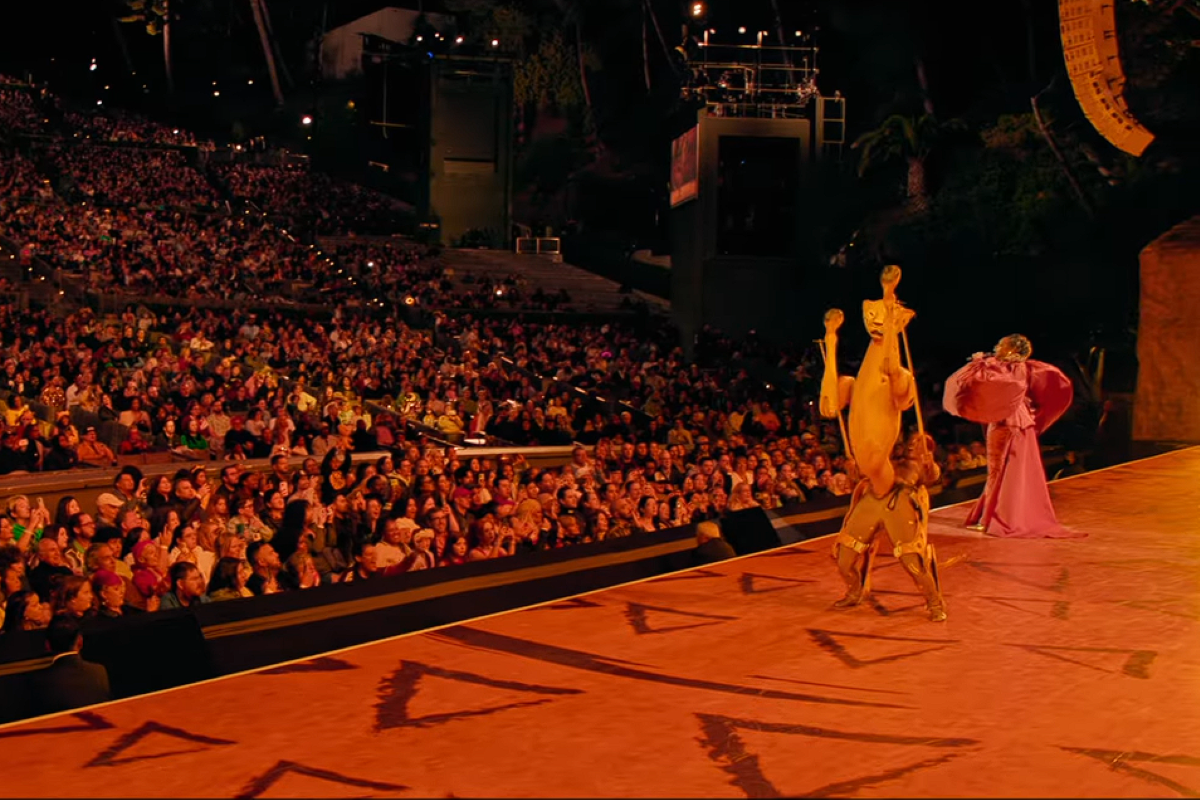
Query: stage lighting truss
x,y
751,80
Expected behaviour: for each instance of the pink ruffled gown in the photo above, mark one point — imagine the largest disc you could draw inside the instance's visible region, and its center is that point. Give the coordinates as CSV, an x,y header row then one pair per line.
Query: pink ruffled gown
x,y
1017,400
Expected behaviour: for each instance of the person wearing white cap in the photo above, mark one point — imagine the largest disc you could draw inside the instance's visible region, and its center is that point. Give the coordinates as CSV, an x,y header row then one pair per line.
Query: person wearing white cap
x,y
422,555
108,506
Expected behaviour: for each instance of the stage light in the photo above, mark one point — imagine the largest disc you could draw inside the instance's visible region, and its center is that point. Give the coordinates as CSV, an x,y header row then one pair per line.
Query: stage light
x,y
495,42
92,68
99,102
410,300
697,9
458,40
250,82
742,29
306,119
799,34
216,94
420,38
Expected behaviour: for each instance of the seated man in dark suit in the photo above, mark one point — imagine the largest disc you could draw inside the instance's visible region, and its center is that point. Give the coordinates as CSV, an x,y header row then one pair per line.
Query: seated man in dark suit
x,y
710,547
69,682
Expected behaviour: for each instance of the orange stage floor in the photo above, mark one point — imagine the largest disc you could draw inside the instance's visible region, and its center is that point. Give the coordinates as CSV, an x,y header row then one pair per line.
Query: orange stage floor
x,y
1068,668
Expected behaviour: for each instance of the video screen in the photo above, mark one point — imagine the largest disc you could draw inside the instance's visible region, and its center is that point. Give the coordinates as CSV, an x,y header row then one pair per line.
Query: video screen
x,y
685,167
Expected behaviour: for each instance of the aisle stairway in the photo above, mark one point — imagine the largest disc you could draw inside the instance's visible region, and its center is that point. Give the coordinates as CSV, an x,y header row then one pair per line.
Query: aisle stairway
x,y
588,291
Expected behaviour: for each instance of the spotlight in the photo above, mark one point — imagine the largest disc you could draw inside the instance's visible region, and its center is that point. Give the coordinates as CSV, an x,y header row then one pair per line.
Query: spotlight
x,y
92,68
458,40
410,300
99,102
742,29
217,93
306,119
495,42
697,9
250,82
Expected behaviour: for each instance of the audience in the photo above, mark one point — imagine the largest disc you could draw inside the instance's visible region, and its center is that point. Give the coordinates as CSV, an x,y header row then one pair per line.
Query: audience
x,y
660,441
69,682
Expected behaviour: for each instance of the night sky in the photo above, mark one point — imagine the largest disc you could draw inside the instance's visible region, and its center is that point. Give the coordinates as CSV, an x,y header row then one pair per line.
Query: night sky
x,y
868,47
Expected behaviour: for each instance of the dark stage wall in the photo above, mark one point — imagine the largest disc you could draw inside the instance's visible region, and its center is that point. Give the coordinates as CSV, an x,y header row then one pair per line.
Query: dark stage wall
x,y
735,249
471,140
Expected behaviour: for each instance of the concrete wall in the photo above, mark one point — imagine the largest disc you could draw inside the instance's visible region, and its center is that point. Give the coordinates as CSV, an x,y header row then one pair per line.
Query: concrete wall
x,y
734,293
471,148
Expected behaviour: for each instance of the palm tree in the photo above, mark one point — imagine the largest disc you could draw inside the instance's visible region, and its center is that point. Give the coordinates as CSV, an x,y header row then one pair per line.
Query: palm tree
x,y
910,138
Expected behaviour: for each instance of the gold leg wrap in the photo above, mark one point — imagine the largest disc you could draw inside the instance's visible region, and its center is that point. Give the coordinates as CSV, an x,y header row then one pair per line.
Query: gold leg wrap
x,y
854,558
922,568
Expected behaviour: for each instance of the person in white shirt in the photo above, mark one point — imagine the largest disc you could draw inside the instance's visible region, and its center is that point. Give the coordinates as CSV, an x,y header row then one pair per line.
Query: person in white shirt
x,y
396,543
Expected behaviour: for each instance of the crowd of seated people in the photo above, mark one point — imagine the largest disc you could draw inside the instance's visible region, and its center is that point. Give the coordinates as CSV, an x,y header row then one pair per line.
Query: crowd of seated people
x,y
130,176
334,207
206,534
402,271
661,441
116,125
165,252
19,178
19,112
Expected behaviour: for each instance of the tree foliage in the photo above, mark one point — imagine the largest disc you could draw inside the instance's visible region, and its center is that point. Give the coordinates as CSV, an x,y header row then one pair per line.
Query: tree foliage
x,y
903,137
152,13
549,78
1008,194
1160,52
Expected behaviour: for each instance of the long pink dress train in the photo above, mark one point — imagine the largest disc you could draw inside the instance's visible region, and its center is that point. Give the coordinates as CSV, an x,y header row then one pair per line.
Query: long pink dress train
x,y
1017,400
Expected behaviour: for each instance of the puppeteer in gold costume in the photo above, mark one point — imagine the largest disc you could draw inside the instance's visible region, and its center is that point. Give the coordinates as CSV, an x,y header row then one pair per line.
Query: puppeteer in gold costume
x,y
890,497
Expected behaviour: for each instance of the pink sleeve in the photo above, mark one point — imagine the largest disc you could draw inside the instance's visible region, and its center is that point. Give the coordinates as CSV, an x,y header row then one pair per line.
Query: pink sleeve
x,y
984,391
1050,391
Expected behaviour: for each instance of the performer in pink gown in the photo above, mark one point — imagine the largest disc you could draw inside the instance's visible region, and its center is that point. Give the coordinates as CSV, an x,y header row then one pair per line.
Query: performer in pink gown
x,y
1017,398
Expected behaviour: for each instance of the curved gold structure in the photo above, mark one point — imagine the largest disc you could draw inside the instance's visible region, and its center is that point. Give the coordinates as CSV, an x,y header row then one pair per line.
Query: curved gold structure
x,y
1089,39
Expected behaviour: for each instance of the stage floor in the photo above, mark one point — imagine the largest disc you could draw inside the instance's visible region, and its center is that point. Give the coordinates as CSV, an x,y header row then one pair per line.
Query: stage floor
x,y
1068,668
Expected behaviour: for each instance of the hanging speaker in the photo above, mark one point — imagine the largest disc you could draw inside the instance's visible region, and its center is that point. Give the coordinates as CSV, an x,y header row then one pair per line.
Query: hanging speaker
x,y
1089,39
